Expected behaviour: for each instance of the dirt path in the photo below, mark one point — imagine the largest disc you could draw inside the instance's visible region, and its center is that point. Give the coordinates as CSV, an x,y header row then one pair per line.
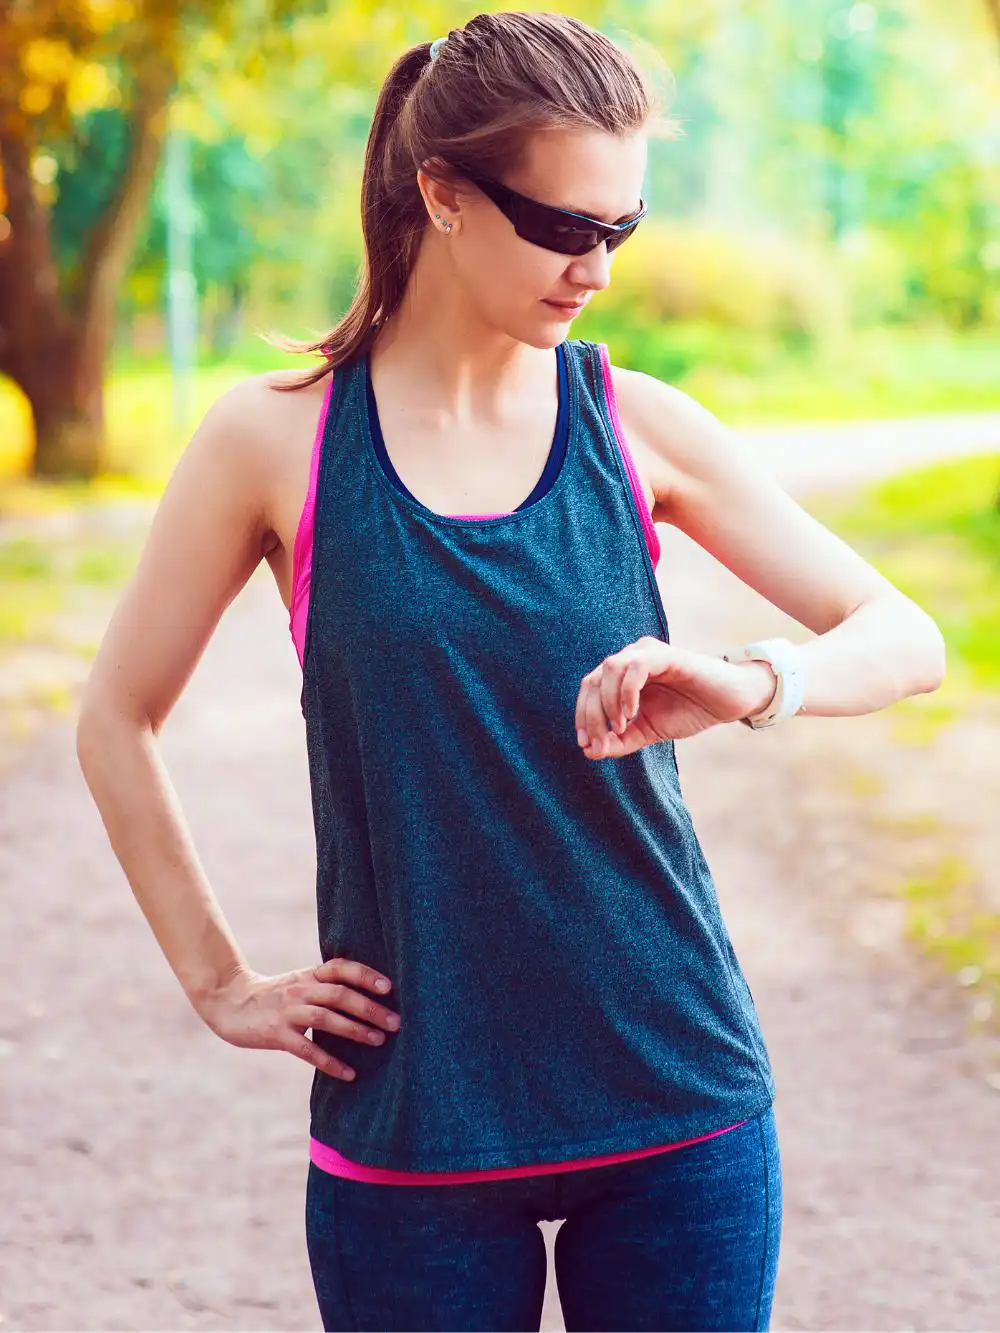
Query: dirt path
x,y
153,1177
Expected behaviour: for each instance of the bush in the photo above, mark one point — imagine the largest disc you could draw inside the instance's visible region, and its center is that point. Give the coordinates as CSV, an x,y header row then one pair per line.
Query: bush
x,y
696,275
877,272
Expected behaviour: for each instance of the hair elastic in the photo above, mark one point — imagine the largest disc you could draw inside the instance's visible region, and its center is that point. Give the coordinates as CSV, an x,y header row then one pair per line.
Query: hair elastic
x,y
436,46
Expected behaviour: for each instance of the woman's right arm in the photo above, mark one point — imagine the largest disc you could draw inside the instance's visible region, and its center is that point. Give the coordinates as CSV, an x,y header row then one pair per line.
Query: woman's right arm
x,y
206,539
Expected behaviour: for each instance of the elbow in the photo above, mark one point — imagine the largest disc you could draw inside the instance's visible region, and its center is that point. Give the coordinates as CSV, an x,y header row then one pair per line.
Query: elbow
x,y
931,652
99,723
91,732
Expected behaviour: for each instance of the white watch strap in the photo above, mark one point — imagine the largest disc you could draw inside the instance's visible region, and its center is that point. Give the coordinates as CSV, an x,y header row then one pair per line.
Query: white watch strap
x,y
783,658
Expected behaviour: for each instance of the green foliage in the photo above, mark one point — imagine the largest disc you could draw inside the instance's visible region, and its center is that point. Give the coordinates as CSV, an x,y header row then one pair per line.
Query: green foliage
x,y
935,532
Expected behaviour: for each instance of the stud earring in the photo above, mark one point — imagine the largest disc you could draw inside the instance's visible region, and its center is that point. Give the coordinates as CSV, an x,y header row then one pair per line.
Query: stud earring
x,y
447,226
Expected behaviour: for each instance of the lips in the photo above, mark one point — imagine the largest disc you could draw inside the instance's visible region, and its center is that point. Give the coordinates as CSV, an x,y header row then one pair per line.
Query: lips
x,y
568,307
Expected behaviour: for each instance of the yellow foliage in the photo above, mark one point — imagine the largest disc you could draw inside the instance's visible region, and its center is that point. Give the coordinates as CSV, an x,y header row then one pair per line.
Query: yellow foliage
x,y
35,98
681,271
48,60
105,14
89,86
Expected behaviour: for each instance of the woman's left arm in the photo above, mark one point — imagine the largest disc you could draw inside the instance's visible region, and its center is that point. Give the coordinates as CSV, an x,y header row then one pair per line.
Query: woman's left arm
x,y
873,645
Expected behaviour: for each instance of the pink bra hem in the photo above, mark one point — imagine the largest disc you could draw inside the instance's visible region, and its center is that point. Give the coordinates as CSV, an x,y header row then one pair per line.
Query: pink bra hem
x,y
328,1159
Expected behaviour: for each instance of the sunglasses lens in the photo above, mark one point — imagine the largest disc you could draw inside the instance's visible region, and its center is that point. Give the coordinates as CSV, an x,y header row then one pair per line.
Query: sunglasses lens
x,y
573,240
554,230
621,236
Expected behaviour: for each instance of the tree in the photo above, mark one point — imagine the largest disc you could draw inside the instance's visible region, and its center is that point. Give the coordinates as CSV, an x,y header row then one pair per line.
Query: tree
x,y
57,58
61,62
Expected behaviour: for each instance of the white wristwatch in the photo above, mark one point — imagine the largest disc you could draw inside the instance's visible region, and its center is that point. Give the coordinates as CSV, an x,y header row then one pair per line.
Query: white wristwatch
x,y
783,658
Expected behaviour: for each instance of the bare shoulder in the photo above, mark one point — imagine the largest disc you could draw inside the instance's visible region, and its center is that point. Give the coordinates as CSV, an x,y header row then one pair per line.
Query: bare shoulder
x,y
255,417
264,436
673,437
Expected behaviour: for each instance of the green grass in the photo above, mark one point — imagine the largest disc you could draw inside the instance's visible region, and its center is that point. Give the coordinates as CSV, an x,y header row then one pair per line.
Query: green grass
x,y
935,532
948,922
874,375
43,577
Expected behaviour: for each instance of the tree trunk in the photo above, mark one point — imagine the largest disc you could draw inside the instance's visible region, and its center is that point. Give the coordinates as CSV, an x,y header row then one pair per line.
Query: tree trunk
x,y
55,347
68,444
66,394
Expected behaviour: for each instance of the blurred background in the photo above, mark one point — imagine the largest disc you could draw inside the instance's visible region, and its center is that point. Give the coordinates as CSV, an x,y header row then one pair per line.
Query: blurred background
x,y
820,267
823,239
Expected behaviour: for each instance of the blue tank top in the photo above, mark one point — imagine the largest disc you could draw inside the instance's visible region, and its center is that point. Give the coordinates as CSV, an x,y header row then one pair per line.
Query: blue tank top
x,y
566,983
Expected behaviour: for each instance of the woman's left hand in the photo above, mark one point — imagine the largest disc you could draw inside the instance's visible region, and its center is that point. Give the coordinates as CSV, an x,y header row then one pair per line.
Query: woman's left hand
x,y
651,691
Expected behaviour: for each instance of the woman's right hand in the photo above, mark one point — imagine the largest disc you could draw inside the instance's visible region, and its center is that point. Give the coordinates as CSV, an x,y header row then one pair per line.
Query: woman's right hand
x,y
273,1013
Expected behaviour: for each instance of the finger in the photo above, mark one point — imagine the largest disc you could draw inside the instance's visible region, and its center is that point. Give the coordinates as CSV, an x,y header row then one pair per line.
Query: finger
x,y
611,690
596,720
358,974
582,724
580,712
339,1025
333,995
635,677
315,1055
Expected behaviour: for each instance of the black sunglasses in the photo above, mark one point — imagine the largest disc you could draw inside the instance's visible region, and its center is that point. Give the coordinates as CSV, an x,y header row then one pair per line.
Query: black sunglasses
x,y
555,228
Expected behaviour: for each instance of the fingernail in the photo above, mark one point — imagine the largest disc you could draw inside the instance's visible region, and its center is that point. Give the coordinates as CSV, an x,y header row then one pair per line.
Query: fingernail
x,y
581,737
382,984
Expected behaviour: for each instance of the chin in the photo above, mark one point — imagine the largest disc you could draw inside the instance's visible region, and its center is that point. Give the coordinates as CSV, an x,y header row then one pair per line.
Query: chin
x,y
527,320
546,333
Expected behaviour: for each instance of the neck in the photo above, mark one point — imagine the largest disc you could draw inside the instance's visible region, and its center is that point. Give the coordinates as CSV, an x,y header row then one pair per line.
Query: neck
x,y
442,350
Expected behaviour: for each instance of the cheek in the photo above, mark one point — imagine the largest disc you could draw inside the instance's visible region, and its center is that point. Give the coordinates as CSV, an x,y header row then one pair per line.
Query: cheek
x,y
510,274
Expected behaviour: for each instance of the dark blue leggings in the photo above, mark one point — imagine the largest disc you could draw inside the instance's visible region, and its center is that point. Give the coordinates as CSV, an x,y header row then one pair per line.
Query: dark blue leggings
x,y
686,1239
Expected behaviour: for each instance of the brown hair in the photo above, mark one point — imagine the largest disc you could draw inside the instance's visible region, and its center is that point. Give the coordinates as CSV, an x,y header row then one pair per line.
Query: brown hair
x,y
495,81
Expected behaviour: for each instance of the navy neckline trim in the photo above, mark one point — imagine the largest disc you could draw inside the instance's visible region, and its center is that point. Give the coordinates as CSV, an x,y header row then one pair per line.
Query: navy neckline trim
x,y
553,464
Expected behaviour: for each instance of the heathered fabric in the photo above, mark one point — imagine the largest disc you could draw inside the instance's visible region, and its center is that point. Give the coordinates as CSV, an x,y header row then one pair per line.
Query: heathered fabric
x,y
321,1154
566,984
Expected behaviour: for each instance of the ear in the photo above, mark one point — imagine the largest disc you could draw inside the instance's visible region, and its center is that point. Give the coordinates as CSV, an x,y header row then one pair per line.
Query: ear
x,y
439,194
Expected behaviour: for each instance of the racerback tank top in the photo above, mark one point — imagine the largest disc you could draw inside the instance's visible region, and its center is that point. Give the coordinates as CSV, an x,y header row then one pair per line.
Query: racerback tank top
x,y
588,998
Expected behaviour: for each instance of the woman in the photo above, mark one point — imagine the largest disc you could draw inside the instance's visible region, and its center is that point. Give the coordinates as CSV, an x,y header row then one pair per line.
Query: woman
x,y
528,1005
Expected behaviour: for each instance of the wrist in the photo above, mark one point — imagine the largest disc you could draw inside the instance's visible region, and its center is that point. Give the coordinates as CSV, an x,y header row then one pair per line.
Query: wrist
x,y
205,993
761,685
781,659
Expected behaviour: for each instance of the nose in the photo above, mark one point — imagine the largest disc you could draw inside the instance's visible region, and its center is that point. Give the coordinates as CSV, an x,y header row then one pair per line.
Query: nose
x,y
593,269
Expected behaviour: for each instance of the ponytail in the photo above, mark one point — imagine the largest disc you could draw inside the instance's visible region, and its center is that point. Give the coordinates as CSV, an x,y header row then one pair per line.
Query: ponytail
x,y
391,225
